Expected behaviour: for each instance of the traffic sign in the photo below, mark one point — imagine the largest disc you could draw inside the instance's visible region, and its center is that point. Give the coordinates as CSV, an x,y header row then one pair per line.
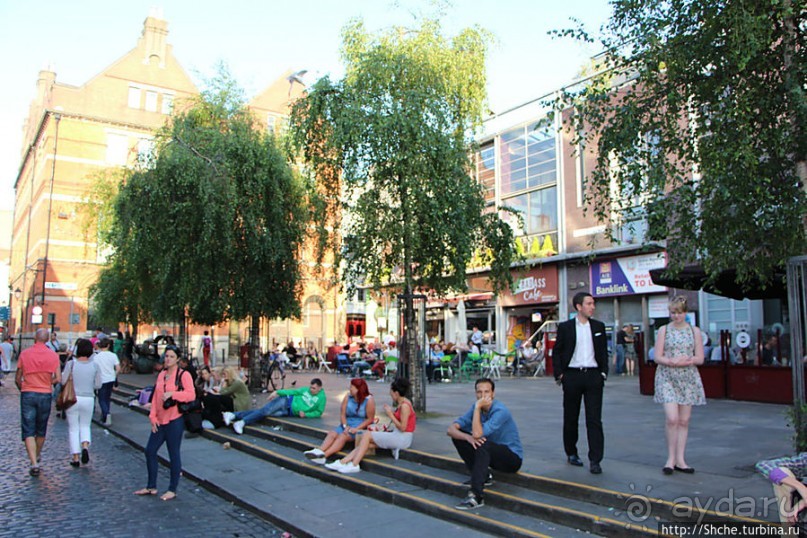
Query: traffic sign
x,y
37,311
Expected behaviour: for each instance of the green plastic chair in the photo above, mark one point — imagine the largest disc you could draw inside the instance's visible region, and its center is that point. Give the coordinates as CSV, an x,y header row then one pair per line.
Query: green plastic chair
x,y
446,372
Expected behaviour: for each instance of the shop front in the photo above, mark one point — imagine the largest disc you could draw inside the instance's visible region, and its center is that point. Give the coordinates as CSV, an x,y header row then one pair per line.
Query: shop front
x,y
532,301
625,293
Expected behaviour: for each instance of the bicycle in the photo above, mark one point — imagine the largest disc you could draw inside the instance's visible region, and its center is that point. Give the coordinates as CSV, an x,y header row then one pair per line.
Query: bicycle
x,y
273,377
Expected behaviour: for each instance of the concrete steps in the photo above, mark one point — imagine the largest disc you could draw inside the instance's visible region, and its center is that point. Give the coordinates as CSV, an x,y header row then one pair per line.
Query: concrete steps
x,y
530,505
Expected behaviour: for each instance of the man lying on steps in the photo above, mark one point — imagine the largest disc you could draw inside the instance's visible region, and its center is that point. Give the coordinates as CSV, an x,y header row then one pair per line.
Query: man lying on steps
x,y
308,402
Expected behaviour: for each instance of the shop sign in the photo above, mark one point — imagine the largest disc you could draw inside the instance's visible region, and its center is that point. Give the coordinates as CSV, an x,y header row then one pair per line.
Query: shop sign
x,y
539,285
70,286
658,307
626,276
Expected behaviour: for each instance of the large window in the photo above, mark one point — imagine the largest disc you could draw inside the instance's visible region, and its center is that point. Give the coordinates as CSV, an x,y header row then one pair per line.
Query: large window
x,y
151,101
168,103
538,209
117,148
528,158
134,97
486,170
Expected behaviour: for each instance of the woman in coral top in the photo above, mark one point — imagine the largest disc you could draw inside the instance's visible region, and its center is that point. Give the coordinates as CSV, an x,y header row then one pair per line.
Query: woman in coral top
x,y
173,386
402,420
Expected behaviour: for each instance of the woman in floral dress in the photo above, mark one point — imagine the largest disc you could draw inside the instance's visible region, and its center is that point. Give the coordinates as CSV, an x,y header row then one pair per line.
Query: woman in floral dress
x,y
678,352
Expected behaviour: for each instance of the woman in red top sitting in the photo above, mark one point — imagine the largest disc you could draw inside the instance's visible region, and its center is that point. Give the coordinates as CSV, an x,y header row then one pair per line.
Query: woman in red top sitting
x,y
403,421
173,386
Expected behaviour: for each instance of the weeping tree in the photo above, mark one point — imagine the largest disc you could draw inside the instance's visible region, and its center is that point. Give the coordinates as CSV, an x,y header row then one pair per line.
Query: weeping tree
x,y
122,288
390,147
210,228
696,114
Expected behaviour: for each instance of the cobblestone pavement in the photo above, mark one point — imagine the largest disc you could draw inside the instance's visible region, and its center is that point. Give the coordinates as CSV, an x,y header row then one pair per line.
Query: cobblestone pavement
x,y
96,500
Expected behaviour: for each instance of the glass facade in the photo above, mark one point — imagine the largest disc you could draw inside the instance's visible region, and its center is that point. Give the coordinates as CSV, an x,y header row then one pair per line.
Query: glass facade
x,y
486,171
518,169
528,158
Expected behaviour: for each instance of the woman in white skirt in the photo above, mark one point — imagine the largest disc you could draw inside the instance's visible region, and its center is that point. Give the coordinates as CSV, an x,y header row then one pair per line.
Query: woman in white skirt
x,y
86,380
403,420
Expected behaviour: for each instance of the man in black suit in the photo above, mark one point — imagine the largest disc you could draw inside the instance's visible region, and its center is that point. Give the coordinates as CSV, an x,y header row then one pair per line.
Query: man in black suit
x,y
580,364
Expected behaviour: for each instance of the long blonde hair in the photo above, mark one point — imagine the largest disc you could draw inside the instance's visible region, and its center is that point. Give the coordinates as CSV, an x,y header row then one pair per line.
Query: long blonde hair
x,y
229,375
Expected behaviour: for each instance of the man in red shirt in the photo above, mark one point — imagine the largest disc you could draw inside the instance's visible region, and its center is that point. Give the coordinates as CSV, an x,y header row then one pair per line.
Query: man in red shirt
x,y
37,372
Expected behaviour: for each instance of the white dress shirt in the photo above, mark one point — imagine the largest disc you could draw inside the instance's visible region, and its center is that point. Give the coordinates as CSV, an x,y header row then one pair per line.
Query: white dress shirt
x,y
583,356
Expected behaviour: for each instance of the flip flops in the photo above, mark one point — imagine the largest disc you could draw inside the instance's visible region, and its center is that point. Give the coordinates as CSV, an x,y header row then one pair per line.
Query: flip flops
x,y
146,491
168,496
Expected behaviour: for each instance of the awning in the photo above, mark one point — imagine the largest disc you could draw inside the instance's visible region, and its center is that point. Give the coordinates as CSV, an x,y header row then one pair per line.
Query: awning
x,y
485,296
693,277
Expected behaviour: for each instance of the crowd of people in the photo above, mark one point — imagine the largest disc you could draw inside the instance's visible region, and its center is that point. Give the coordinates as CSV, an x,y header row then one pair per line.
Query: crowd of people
x,y
183,401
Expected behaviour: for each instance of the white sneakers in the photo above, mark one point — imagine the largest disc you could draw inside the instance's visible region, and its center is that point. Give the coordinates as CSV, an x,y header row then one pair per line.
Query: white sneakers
x,y
238,426
228,417
348,468
335,465
316,456
108,421
206,424
344,468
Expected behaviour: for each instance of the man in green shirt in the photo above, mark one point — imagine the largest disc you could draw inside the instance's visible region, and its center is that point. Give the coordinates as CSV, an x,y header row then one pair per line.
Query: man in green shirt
x,y
308,402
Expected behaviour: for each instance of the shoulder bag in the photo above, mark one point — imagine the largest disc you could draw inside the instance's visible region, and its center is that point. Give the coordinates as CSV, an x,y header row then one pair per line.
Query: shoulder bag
x,y
67,397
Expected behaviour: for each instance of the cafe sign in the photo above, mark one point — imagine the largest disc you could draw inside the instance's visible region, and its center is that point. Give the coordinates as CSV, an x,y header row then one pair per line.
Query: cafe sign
x,y
539,285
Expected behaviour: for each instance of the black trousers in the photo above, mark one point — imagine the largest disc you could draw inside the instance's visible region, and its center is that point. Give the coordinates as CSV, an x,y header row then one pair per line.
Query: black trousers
x,y
488,455
585,385
214,406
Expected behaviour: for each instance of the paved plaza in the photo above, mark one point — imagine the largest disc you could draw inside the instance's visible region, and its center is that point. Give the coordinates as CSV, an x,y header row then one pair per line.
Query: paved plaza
x,y
96,500
726,439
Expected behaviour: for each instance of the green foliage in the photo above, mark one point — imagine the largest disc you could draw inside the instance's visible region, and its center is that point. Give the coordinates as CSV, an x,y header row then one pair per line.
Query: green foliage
x,y
97,209
700,120
797,419
211,227
390,147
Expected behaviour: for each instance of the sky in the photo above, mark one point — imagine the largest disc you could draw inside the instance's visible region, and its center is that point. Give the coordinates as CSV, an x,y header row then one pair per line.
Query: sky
x,y
260,40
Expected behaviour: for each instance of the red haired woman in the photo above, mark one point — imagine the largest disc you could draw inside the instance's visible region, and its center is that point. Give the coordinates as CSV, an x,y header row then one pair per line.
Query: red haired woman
x,y
357,412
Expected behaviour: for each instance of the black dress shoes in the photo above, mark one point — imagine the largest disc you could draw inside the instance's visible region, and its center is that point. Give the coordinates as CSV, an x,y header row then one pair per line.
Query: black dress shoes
x,y
575,460
667,470
595,468
685,470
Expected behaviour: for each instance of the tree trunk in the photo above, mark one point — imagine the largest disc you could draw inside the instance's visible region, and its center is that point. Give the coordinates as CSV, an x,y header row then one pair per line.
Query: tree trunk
x,y
254,353
182,341
410,336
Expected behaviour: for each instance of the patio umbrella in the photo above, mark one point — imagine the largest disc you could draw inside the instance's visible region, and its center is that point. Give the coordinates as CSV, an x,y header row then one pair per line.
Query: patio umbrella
x,y
462,323
693,277
462,332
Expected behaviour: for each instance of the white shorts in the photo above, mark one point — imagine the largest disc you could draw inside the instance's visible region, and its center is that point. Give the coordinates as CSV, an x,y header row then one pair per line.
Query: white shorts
x,y
392,440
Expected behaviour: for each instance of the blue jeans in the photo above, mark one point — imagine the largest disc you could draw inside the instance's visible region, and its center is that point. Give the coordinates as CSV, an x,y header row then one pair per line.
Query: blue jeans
x,y
34,413
359,367
171,434
279,407
619,367
104,398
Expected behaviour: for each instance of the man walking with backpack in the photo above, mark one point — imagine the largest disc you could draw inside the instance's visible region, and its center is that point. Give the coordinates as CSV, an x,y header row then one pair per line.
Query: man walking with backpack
x,y
207,347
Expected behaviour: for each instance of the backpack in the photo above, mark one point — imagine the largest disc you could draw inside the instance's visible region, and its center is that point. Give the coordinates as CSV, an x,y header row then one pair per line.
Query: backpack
x,y
145,395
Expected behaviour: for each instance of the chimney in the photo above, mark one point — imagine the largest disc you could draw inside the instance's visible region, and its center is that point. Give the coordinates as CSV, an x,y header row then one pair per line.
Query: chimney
x,y
44,85
153,39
